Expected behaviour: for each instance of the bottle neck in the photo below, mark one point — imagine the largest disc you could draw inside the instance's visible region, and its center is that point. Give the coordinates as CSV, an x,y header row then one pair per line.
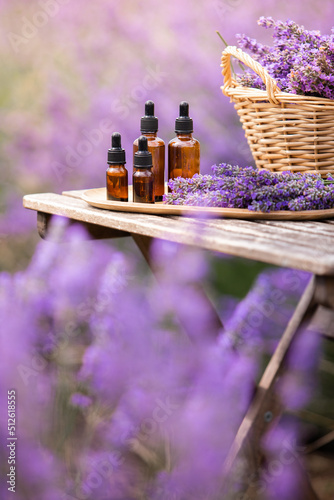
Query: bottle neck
x,y
184,135
141,167
150,135
116,165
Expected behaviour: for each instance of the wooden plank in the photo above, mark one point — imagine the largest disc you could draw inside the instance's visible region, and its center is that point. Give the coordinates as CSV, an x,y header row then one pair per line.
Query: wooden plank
x,y
275,233
239,238
77,193
323,228
290,228
290,248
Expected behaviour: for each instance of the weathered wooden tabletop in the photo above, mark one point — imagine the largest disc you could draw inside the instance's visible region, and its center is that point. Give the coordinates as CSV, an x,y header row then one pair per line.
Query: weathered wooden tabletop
x,y
302,245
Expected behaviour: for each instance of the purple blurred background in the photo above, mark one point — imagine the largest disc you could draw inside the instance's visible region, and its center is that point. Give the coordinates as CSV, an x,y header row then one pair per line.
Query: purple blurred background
x,y
73,73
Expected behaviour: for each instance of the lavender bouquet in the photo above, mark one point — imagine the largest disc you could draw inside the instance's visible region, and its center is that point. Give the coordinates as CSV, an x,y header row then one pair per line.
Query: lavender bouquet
x,y
301,61
253,189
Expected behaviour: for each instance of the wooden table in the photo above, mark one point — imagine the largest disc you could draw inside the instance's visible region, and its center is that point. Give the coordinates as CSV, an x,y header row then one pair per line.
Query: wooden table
x,y
308,246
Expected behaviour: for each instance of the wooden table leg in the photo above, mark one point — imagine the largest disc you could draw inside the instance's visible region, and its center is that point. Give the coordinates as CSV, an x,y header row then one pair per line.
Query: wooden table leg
x,y
266,407
144,244
95,232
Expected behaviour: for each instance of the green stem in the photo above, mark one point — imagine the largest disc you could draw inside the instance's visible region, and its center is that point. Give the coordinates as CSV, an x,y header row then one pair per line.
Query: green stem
x,y
222,39
226,45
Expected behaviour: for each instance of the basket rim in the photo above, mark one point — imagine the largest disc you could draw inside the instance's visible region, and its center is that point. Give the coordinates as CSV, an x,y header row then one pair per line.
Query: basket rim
x,y
284,97
272,93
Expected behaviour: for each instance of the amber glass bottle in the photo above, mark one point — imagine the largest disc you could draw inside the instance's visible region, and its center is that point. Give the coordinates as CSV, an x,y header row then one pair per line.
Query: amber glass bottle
x,y
156,146
117,175
184,149
143,177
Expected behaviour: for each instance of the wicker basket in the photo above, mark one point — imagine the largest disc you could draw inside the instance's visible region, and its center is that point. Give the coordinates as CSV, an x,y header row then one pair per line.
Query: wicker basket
x,y
284,131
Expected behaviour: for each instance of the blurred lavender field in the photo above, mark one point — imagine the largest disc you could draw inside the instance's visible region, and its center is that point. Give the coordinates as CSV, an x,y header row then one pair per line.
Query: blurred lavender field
x,y
73,73
91,343
122,395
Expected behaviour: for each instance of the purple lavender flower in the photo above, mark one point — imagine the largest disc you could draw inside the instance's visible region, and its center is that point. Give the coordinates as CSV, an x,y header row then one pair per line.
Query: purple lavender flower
x,y
81,400
297,386
259,320
257,190
301,61
281,476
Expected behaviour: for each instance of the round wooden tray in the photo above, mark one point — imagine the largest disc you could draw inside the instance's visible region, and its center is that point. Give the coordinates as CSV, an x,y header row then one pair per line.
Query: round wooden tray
x,y
98,198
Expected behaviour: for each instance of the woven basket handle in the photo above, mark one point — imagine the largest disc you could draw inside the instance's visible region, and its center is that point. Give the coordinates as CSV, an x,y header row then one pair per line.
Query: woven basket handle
x,y
271,85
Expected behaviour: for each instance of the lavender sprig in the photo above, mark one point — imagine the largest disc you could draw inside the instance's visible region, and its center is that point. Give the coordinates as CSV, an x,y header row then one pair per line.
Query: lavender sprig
x,y
253,189
301,61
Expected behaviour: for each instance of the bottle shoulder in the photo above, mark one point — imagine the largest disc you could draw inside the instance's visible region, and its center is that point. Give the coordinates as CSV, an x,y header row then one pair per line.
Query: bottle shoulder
x,y
143,172
183,141
159,141
116,168
152,141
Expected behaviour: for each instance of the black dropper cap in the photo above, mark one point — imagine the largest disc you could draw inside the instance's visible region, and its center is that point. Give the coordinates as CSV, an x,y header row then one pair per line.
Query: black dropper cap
x,y
184,124
149,122
142,158
116,155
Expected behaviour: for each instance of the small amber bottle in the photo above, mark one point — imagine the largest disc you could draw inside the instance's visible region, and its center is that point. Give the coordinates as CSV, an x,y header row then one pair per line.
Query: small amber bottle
x,y
184,149
143,177
117,175
156,146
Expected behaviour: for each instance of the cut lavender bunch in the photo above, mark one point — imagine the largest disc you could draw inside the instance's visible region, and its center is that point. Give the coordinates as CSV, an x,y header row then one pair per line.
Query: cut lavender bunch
x,y
301,61
257,190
